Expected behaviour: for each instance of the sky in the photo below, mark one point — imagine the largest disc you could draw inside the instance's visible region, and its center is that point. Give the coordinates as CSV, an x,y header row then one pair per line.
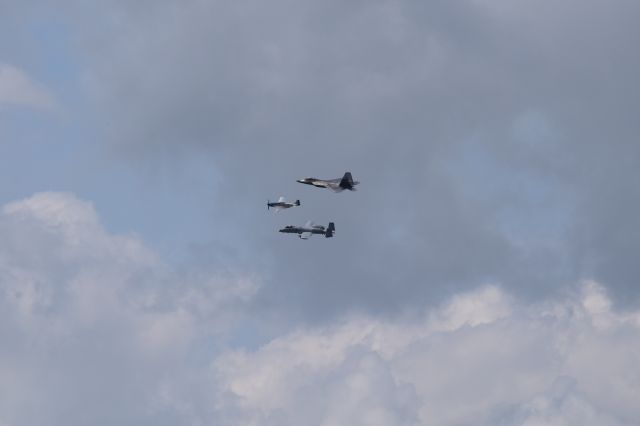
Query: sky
x,y
485,271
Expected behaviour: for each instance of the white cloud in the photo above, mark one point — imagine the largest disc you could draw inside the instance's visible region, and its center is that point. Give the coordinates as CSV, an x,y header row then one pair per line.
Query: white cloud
x,y
93,324
97,329
18,89
482,358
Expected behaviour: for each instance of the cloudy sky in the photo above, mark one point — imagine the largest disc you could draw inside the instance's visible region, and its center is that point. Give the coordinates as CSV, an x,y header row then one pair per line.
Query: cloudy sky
x,y
485,272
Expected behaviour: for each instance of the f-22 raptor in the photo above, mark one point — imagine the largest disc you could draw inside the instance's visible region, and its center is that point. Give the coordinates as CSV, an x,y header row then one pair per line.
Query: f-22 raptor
x,y
282,204
336,185
308,229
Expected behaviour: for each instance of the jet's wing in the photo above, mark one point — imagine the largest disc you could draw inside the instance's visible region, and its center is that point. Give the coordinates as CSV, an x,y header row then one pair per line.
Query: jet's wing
x,y
308,224
305,235
335,186
281,200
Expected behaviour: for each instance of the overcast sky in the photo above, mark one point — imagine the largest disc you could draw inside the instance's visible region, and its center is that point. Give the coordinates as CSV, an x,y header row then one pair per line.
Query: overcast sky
x,y
485,272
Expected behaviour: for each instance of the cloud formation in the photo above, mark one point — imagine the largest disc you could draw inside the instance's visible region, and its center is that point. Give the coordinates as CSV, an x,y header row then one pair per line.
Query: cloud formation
x,y
93,323
481,358
494,140
97,329
16,88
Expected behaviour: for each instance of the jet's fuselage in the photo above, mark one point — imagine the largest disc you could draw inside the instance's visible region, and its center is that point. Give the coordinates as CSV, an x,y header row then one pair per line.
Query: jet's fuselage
x,y
336,185
290,229
306,231
315,182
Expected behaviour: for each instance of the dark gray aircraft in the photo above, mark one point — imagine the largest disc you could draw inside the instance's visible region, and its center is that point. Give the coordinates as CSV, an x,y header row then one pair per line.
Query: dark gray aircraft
x,y
336,185
308,229
281,204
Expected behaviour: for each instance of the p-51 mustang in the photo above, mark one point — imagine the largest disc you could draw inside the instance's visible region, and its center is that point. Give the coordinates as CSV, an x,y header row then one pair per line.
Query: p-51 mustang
x,y
308,229
281,204
336,185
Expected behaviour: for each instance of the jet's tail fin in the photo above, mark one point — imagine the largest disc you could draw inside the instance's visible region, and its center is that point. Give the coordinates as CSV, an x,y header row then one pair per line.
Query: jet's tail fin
x,y
347,181
297,202
330,230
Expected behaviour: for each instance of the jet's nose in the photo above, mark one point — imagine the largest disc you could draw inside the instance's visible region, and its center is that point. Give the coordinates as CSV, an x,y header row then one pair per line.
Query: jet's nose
x,y
300,180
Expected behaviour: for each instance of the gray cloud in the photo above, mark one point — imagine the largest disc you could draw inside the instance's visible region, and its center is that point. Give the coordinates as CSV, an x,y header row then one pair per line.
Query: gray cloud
x,y
494,140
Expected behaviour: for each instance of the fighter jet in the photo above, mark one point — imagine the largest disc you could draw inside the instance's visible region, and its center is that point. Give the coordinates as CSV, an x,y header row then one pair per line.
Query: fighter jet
x,y
336,185
308,229
281,204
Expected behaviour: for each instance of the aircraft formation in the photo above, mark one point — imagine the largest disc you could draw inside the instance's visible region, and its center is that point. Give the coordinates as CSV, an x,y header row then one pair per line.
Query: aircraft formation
x,y
308,229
